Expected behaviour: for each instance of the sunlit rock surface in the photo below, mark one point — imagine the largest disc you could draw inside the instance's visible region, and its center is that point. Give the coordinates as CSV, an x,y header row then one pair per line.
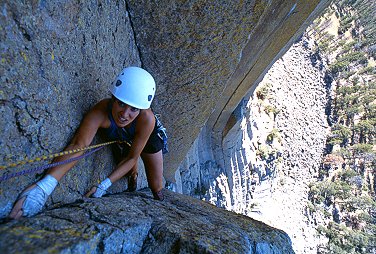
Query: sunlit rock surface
x,y
135,223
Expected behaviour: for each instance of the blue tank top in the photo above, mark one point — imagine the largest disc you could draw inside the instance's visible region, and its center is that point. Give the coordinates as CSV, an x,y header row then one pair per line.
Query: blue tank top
x,y
116,133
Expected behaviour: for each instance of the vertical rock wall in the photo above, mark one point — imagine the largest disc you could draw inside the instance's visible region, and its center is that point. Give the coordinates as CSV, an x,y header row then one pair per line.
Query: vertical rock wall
x,y
58,59
273,150
201,52
192,48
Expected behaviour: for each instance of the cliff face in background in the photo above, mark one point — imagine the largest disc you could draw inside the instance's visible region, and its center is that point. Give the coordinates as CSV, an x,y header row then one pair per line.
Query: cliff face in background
x,y
299,152
273,151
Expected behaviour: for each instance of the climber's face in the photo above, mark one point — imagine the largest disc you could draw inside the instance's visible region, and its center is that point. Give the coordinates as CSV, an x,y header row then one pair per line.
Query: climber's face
x,y
123,114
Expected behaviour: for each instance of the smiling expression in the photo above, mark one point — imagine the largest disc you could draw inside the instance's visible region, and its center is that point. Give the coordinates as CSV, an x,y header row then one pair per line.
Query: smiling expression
x,y
123,114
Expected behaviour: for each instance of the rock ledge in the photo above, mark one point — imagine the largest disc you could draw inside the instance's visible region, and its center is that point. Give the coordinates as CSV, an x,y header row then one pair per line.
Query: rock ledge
x,y
135,223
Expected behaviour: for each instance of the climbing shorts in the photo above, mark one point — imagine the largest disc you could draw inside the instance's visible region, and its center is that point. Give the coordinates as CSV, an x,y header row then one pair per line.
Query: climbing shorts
x,y
155,143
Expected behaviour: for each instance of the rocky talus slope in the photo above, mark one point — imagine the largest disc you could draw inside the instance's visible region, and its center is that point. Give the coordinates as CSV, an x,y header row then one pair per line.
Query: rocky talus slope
x,y
273,151
135,223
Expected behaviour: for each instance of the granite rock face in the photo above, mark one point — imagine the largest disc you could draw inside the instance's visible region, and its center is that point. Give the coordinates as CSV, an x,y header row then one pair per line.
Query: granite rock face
x,y
135,223
192,48
206,55
58,59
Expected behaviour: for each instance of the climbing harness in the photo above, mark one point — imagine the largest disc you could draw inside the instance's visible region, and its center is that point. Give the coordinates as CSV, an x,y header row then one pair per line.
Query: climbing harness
x,y
93,149
162,134
126,135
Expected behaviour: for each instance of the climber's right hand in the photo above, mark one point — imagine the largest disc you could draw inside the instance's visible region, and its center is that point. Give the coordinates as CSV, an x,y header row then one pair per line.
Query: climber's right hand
x,y
32,200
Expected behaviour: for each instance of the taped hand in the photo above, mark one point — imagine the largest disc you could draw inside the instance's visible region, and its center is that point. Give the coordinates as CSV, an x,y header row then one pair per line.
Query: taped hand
x,y
32,200
100,190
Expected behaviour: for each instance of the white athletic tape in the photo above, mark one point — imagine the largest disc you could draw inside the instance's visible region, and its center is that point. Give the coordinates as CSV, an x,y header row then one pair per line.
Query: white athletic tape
x,y
102,187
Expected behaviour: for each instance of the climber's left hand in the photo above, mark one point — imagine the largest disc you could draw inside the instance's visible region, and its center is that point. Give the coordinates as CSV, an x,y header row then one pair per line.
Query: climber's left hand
x,y
91,192
100,190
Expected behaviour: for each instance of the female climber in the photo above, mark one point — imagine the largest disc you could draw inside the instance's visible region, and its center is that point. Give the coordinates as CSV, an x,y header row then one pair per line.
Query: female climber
x,y
126,116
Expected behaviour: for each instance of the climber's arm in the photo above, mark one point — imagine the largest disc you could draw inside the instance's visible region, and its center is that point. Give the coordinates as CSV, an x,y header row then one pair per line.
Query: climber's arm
x,y
95,119
145,126
33,198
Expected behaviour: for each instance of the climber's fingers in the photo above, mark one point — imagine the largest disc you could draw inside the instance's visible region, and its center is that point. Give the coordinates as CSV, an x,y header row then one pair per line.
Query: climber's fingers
x,y
17,211
91,192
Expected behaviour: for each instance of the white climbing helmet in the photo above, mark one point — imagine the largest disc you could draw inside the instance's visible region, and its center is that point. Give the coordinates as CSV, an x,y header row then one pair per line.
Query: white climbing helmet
x,y
135,87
